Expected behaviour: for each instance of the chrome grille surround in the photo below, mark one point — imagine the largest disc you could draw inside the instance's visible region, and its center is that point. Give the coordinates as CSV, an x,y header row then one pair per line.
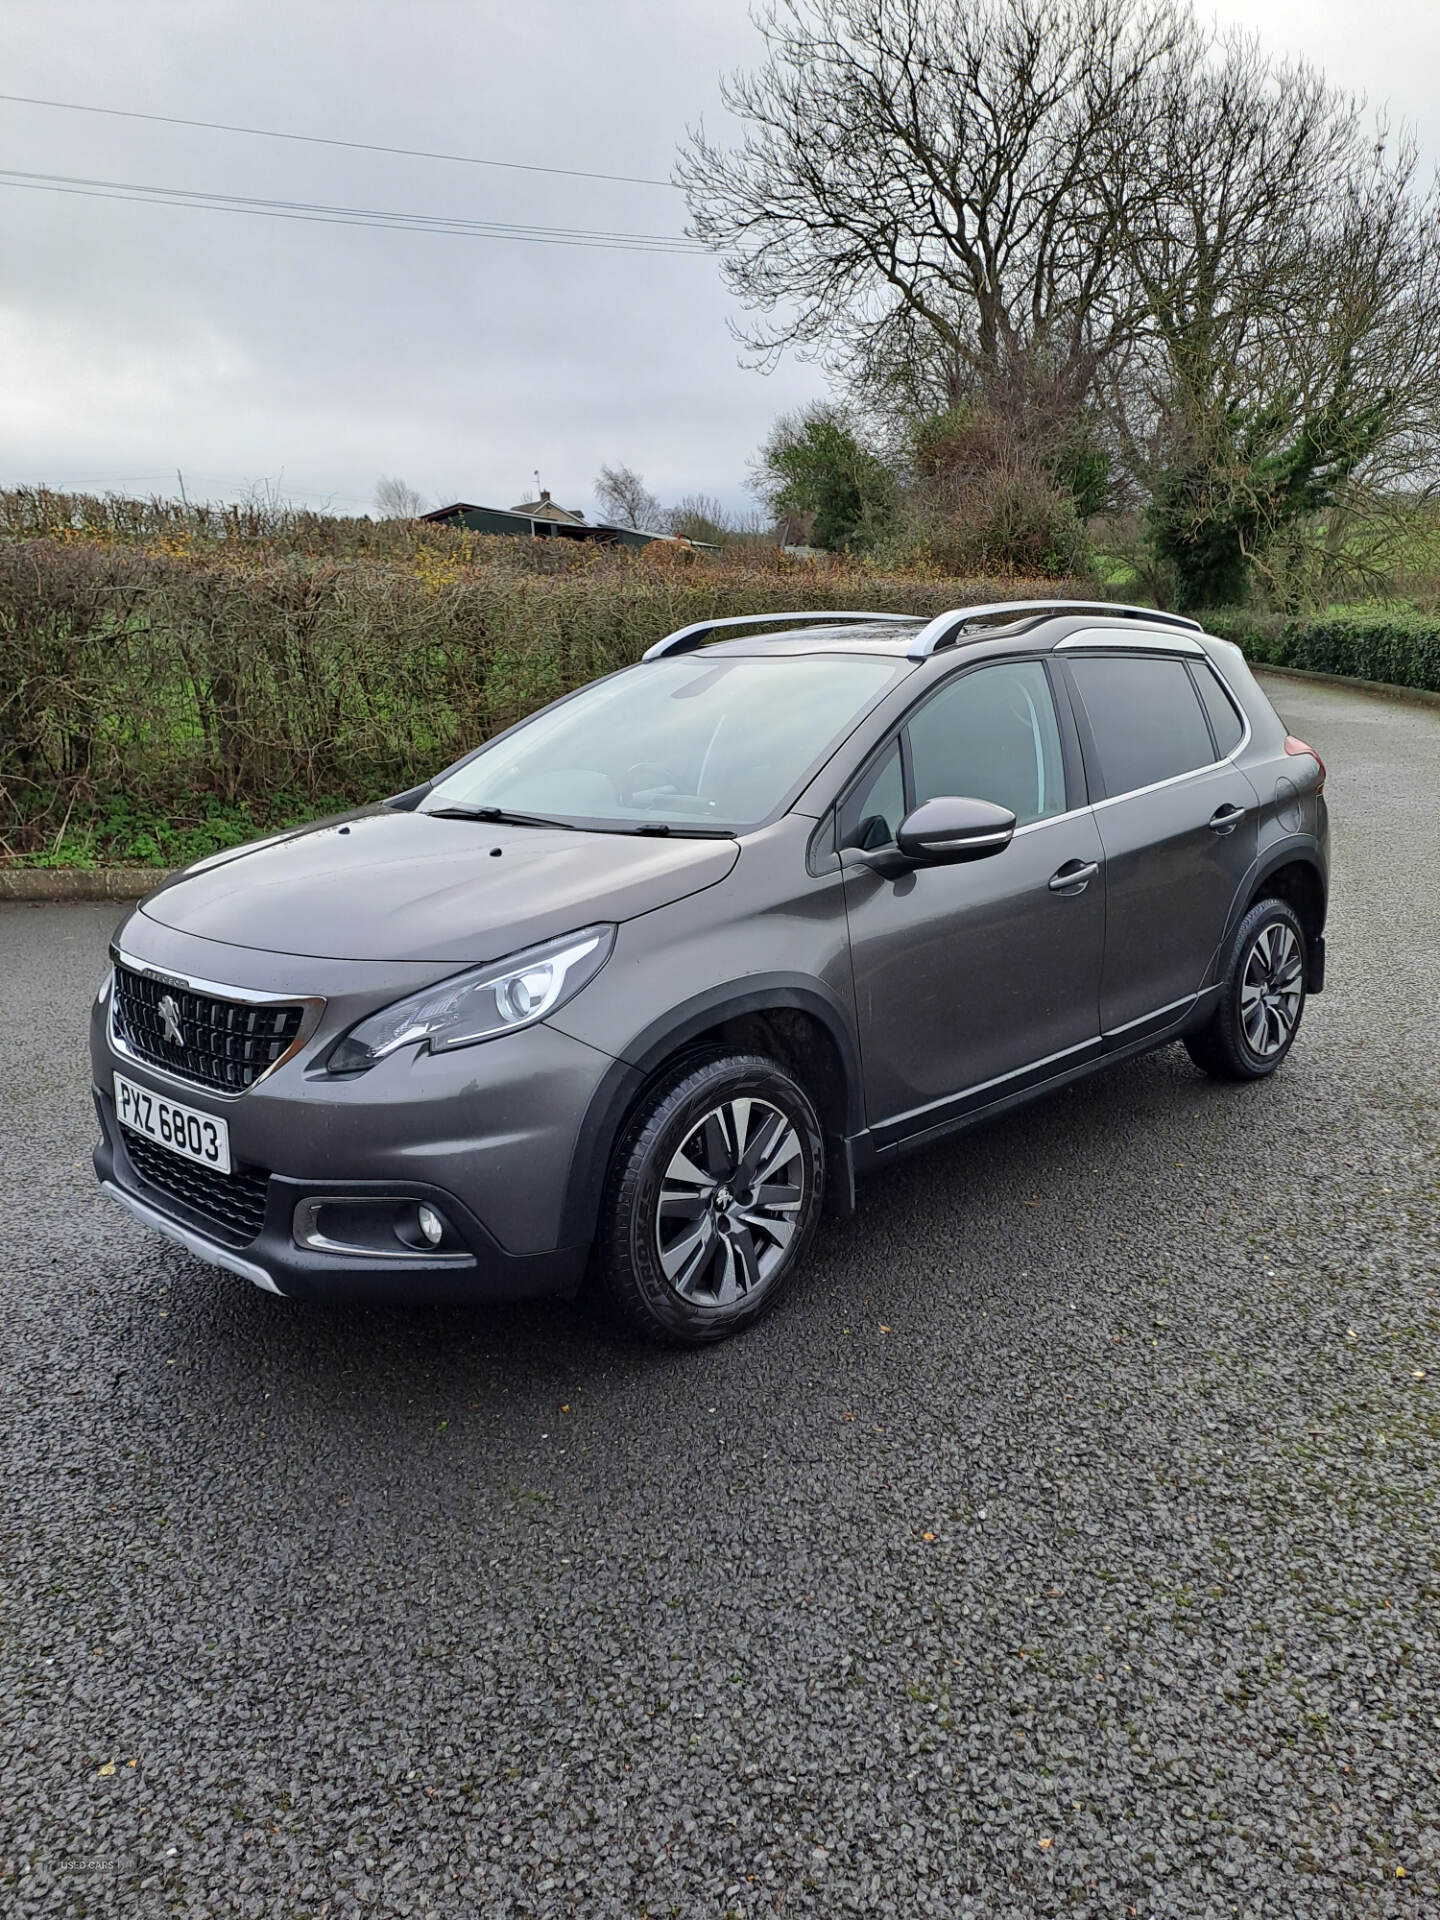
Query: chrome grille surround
x,y
231,1038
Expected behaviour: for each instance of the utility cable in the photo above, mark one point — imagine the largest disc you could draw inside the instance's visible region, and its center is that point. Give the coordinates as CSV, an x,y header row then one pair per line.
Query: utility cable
x,y
455,225
320,140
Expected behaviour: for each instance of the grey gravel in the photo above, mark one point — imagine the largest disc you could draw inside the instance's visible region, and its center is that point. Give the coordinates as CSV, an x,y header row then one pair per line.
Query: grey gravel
x,y
1068,1544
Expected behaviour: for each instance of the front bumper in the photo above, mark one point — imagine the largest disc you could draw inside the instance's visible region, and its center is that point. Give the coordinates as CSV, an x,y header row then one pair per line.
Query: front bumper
x,y
491,1136
482,1271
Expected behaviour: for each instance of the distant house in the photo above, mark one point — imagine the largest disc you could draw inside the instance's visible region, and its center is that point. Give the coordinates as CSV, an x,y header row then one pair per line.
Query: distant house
x,y
540,519
545,509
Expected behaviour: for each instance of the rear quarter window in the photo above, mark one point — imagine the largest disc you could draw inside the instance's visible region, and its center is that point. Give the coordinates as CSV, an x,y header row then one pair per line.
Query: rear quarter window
x,y
1225,723
1145,718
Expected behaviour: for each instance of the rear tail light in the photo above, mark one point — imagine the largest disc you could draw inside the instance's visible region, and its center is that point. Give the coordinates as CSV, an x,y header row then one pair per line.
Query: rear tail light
x,y
1292,745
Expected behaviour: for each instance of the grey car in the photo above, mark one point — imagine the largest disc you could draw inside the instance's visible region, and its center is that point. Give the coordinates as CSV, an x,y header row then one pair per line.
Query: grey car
x,y
642,986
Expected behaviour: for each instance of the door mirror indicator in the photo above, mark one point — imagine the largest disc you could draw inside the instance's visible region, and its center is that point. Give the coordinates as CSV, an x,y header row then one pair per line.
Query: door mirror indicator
x,y
951,828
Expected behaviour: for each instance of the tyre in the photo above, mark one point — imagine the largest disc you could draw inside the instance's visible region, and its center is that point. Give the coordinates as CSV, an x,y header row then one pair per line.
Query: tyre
x,y
1262,996
714,1194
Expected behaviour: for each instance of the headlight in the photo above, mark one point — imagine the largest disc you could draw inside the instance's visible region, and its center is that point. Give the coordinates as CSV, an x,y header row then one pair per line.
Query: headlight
x,y
477,1005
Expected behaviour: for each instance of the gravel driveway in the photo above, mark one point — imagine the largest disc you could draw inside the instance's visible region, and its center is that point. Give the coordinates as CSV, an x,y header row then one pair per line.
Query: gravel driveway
x,y
1069,1544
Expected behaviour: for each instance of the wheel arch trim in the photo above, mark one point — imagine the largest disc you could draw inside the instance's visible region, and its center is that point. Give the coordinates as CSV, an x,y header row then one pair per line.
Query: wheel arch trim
x,y
648,1052
1296,850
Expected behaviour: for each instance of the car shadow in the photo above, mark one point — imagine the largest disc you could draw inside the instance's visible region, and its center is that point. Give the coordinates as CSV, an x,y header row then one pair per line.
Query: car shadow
x,y
979,1209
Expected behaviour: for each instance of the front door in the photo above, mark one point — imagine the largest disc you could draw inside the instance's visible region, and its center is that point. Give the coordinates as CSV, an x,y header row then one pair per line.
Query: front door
x,y
975,979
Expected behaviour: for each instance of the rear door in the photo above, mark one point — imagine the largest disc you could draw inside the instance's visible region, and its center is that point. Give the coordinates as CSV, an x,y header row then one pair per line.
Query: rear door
x,y
972,980
1177,819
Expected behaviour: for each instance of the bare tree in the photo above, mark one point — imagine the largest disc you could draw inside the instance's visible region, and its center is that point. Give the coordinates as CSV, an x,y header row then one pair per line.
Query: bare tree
x,y
696,516
1088,230
915,195
395,500
625,500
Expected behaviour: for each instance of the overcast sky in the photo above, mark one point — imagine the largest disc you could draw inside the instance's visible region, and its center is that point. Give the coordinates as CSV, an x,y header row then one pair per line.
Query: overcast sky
x,y
138,339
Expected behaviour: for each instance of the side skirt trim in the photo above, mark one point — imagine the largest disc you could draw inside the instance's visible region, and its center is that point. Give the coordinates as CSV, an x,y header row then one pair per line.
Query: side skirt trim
x,y
885,1145
1155,1022
922,1121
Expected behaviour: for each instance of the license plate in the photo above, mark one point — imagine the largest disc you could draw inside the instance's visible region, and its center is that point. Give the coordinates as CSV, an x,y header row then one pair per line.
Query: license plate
x,y
184,1130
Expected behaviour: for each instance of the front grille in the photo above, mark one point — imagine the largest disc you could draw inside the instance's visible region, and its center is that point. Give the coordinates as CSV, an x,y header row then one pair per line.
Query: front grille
x,y
224,1044
232,1203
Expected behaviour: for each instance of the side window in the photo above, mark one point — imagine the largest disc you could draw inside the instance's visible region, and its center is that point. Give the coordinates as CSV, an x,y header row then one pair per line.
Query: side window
x,y
992,735
871,816
1225,723
1146,719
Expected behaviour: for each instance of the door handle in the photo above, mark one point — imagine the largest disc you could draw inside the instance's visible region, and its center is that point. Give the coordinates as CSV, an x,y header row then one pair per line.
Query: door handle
x,y
1226,819
1074,876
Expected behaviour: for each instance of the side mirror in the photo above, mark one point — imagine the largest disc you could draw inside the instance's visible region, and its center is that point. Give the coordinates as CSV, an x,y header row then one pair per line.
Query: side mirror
x,y
950,829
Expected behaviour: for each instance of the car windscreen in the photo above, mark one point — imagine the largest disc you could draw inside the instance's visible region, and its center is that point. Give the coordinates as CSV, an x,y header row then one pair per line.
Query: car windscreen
x,y
690,742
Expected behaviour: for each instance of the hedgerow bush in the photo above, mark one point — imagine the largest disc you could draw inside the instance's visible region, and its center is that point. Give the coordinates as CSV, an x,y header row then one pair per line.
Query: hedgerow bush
x,y
1395,645
161,673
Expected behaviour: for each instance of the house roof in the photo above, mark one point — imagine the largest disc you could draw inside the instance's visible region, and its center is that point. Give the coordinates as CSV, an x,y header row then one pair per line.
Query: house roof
x,y
520,520
545,509
512,521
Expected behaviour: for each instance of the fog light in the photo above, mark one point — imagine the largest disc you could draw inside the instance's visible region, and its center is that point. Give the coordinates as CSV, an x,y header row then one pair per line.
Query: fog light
x,y
432,1226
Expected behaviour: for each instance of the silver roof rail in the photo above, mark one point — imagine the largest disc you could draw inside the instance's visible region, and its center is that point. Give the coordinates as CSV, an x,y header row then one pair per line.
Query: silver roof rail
x,y
946,627
685,638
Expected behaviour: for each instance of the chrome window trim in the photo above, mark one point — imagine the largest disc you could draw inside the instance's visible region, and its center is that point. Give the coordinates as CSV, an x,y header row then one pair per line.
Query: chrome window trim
x,y
1054,819
1236,702
1210,766
313,1004
873,755
1110,800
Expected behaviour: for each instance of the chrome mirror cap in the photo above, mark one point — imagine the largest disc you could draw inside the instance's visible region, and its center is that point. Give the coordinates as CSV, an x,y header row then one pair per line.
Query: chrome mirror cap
x,y
952,828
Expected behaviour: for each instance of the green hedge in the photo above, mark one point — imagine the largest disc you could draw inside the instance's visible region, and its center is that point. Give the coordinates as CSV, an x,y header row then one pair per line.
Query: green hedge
x,y
1397,646
153,698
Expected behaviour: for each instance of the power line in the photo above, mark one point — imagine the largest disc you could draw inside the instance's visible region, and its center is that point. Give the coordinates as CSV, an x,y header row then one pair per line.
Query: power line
x,y
319,212
368,213
320,140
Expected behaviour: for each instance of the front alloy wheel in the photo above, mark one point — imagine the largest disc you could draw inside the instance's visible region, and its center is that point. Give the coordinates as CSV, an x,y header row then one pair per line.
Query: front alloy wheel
x,y
714,1195
730,1201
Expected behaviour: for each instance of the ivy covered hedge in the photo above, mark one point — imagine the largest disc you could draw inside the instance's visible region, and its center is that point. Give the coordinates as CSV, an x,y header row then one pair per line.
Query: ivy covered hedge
x,y
1395,645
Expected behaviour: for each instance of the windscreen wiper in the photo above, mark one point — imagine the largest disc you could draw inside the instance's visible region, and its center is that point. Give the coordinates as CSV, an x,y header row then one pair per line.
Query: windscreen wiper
x,y
671,829
662,829
498,816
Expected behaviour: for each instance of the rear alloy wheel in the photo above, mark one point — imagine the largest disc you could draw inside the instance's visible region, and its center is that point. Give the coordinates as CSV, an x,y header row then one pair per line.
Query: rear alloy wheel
x,y
713,1200
1262,996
